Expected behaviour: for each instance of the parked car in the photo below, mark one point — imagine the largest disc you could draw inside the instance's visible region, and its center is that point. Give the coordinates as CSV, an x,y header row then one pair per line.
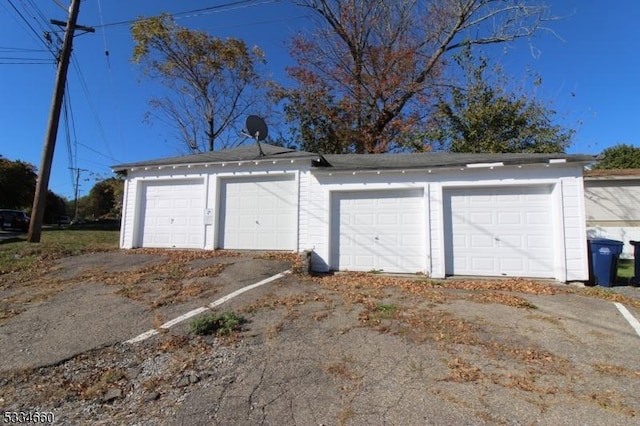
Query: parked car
x,y
14,219
62,220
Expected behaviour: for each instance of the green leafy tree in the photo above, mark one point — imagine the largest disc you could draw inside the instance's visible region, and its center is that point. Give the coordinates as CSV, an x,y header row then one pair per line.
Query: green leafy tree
x,y
17,184
481,117
211,82
365,78
105,198
55,206
621,156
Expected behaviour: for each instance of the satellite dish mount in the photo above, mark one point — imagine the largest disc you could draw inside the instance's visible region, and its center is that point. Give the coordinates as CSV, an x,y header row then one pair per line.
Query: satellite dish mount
x,y
257,129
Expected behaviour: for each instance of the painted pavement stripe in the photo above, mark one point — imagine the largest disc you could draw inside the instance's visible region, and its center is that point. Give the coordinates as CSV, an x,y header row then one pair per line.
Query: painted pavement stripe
x,y
630,318
211,305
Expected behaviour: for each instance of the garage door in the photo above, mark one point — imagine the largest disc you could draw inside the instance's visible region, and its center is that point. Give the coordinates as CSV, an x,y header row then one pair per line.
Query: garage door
x,y
499,232
172,214
378,230
259,213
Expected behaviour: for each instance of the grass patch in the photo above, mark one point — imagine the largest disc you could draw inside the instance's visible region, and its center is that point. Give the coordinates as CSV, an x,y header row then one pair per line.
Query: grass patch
x,y
54,244
625,269
219,324
386,309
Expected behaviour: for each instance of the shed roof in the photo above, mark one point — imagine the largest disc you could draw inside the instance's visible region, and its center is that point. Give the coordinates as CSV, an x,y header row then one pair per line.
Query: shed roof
x,y
337,162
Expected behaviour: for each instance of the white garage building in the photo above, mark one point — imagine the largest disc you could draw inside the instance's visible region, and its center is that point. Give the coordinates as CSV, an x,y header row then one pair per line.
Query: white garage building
x,y
440,214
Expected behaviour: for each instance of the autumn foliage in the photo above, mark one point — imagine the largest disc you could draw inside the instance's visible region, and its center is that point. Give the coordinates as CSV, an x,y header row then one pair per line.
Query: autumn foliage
x,y
365,78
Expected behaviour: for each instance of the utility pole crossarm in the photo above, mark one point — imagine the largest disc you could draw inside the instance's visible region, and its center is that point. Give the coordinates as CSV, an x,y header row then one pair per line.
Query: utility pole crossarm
x,y
76,27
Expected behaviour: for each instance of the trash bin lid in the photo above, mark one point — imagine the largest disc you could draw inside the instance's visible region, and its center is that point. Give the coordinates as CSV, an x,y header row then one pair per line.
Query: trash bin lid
x,y
605,242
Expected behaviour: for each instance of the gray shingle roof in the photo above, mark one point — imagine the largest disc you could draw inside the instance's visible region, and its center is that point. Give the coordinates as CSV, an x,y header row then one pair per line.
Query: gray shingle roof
x,y
441,159
338,162
241,153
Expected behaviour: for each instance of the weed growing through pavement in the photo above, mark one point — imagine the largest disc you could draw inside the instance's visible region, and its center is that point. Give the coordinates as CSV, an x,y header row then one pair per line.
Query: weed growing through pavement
x,y
222,324
385,311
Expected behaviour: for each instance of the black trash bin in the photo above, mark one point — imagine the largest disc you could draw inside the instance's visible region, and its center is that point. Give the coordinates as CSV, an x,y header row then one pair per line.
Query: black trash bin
x,y
635,281
603,256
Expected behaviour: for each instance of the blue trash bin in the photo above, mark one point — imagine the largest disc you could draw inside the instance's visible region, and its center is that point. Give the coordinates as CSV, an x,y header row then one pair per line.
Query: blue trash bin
x,y
635,281
604,254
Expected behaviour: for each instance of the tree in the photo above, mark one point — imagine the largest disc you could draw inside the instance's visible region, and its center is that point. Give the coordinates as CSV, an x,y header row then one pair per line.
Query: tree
x,y
105,198
55,206
621,156
18,183
212,82
365,78
481,117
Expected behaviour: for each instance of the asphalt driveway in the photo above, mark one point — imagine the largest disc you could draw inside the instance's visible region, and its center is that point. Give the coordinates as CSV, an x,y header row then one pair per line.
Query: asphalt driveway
x,y
347,349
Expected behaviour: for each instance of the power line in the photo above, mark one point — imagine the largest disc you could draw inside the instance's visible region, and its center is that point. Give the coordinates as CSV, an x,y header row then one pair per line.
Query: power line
x,y
21,49
48,62
67,124
39,37
202,11
95,151
94,111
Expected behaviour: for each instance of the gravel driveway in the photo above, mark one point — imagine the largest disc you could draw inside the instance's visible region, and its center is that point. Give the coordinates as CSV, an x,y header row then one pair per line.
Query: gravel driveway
x,y
350,349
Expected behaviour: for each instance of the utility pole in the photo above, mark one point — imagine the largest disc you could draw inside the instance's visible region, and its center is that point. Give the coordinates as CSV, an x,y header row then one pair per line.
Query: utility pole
x,y
40,198
77,188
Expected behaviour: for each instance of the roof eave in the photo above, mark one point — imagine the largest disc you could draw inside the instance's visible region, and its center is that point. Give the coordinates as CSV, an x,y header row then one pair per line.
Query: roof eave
x,y
206,164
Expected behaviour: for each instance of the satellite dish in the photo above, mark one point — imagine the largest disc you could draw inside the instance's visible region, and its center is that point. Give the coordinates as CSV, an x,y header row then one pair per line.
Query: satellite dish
x,y
257,129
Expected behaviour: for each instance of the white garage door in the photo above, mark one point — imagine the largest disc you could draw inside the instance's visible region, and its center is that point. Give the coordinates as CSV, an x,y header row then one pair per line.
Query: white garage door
x,y
172,214
259,213
378,230
499,232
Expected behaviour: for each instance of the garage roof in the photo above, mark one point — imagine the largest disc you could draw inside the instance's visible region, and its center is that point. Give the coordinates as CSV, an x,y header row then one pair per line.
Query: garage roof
x,y
242,153
336,162
444,159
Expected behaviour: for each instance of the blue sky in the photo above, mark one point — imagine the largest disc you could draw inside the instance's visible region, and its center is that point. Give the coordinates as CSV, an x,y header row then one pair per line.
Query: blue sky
x,y
590,72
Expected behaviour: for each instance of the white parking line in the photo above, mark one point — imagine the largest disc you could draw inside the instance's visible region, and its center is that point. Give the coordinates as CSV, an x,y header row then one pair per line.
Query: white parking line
x,y
630,318
211,305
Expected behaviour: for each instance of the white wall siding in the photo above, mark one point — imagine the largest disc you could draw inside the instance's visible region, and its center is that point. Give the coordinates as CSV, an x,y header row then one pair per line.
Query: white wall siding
x,y
612,200
436,231
129,209
613,211
575,234
303,211
317,213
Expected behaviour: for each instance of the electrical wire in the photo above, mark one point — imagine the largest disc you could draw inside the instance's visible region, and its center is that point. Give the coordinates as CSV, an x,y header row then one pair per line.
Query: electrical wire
x,y
67,125
202,11
33,30
114,98
94,111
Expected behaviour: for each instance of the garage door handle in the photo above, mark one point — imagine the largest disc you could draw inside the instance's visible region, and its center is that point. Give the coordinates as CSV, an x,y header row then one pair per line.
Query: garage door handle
x,y
376,238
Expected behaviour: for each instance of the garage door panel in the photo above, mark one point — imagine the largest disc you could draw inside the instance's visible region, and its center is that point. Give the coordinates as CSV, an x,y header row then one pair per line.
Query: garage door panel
x,y
481,242
258,213
172,214
510,218
513,264
508,231
483,264
538,242
378,230
480,218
